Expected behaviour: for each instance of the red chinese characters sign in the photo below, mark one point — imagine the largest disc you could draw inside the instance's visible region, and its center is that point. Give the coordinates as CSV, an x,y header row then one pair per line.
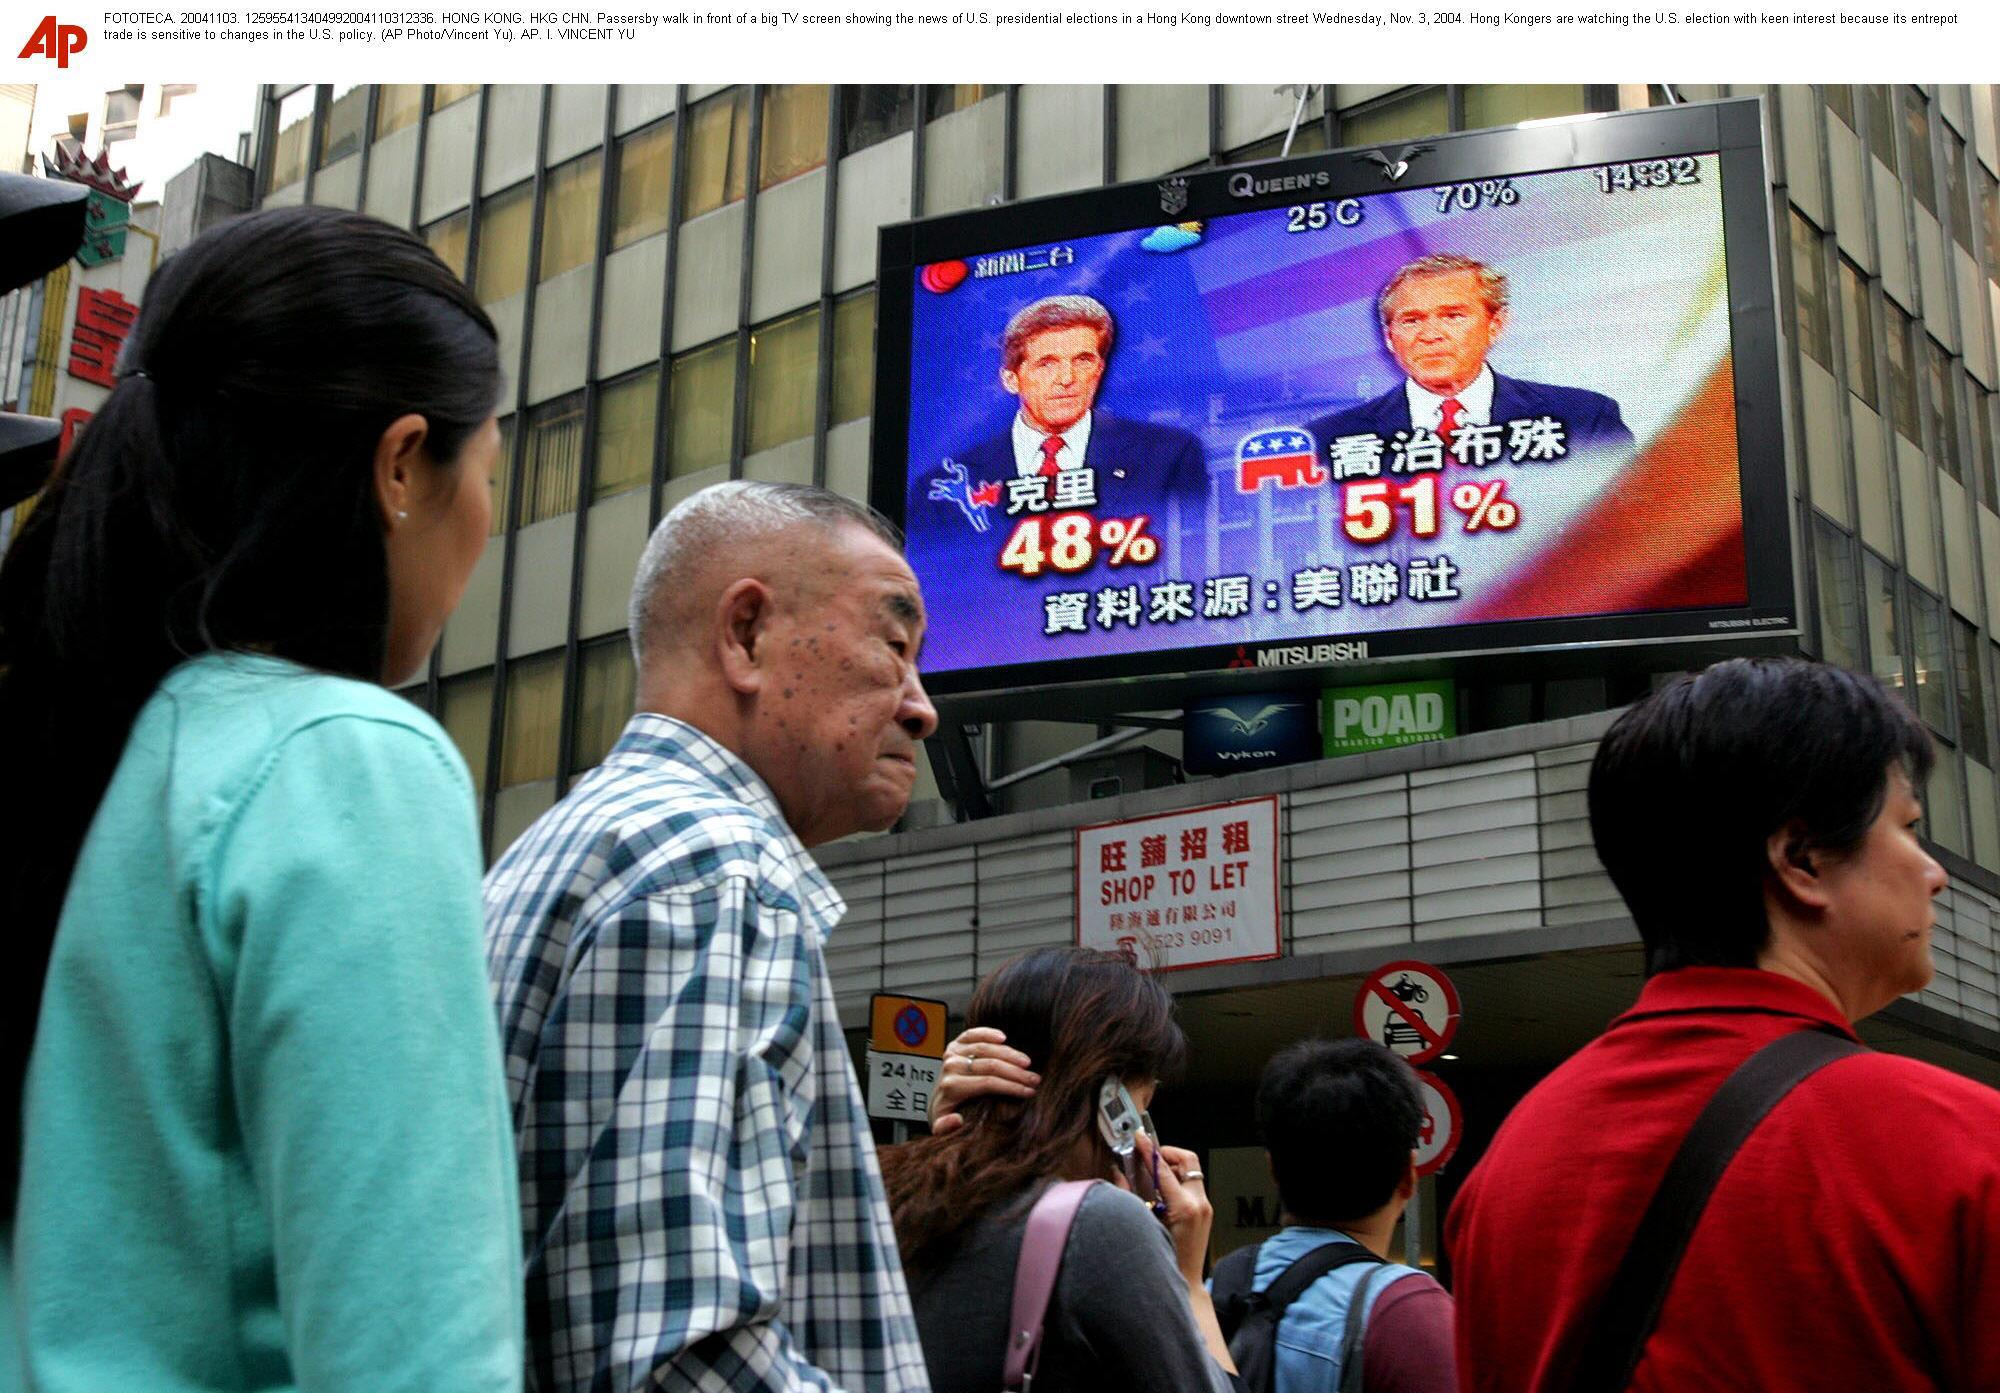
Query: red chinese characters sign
x,y
1184,889
103,319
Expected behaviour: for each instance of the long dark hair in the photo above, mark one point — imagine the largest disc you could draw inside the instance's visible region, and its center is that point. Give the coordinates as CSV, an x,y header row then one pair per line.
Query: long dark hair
x,y
1079,1015
223,498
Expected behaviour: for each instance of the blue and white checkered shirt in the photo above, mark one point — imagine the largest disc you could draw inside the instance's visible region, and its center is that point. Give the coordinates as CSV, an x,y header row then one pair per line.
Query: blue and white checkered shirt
x,y
701,1204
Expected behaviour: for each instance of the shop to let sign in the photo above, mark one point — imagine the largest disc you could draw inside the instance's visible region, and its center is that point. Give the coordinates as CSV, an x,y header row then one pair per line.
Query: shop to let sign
x,y
1184,889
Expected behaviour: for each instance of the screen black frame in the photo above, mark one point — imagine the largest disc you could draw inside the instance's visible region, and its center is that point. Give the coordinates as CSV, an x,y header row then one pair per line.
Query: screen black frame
x,y
1732,130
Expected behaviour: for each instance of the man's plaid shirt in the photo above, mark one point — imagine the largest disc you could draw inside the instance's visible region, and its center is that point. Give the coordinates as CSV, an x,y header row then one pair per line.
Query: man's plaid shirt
x,y
701,1204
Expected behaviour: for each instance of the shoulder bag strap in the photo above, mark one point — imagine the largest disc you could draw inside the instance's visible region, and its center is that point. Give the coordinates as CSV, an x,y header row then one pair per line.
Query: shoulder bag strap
x,y
1035,1278
1631,1306
1304,1271
1353,1354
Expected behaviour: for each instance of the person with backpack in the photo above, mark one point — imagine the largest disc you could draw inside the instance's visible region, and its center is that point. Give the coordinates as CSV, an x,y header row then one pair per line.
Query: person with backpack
x,y
1319,1308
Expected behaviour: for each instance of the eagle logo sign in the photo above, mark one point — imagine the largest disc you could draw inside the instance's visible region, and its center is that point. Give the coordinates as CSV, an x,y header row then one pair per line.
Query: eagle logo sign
x,y
1392,170
1246,725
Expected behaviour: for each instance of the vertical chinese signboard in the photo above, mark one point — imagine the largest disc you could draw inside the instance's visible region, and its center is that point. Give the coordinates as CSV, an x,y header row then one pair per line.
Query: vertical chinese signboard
x,y
1186,889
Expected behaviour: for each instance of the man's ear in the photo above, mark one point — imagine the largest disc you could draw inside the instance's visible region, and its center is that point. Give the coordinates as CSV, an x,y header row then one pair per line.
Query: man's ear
x,y
741,617
1011,380
1407,1186
1499,324
1798,869
398,453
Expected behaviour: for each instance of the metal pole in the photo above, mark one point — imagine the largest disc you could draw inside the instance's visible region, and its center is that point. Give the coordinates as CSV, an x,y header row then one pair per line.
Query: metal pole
x,y
1413,1228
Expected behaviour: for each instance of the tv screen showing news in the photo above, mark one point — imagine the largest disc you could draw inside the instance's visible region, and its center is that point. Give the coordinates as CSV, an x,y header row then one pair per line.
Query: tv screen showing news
x,y
1502,389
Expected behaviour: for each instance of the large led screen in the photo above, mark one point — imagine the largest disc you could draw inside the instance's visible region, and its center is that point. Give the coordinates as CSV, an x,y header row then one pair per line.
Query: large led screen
x,y
1336,423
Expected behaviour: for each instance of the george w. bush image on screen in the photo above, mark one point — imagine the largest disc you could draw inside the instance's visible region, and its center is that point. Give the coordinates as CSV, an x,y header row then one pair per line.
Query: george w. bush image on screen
x,y
1441,315
1054,354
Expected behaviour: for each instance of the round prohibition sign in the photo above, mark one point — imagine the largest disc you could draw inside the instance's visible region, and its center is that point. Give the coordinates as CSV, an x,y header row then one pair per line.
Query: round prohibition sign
x,y
1410,1007
1443,1124
912,1026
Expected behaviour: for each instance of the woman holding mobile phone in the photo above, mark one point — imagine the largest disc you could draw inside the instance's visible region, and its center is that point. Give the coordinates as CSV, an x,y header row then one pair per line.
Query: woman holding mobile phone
x,y
1129,1310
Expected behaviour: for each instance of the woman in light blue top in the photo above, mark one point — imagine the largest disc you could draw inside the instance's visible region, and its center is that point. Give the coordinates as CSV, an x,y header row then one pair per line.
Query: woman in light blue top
x,y
262,1135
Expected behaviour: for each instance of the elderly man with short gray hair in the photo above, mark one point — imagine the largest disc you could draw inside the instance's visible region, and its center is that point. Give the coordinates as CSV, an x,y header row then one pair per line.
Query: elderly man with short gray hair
x,y
701,1204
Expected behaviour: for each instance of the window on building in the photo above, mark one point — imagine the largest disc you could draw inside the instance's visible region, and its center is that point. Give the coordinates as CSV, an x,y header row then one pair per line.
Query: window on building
x,y
503,477
465,710
1944,410
1308,139
1957,194
569,215
288,156
1885,629
1404,116
1902,372
941,99
1943,802
345,117
1857,332
1984,459
701,391
447,236
784,380
604,683
1839,99
1881,124
451,93
1511,103
397,104
1917,123
172,92
121,112
501,263
1839,591
1927,646
627,412
793,137
1809,293
1989,211
552,459
871,114
532,732
1965,656
642,202
853,357
718,152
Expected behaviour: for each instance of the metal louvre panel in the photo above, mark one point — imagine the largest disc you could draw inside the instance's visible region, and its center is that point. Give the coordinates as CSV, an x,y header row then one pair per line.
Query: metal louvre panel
x,y
927,923
1467,877
1575,889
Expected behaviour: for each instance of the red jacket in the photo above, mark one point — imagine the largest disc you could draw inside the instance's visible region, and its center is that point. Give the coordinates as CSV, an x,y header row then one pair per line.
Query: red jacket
x,y
1853,1244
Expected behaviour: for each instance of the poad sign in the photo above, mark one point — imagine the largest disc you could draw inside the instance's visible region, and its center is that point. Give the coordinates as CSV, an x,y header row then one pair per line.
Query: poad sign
x,y
1184,889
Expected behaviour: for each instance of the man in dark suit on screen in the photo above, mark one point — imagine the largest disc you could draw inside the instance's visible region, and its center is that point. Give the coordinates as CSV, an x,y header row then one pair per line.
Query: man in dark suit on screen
x,y
1053,357
1441,315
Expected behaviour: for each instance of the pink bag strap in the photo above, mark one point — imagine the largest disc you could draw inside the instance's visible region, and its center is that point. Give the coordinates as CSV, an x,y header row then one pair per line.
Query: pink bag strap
x,y
1035,1278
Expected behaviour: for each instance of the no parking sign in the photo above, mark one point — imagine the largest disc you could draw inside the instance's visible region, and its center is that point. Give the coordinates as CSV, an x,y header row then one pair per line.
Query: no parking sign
x,y
1410,1007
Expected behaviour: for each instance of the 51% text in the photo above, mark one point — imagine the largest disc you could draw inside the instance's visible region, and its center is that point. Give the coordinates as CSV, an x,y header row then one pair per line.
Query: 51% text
x,y
1369,510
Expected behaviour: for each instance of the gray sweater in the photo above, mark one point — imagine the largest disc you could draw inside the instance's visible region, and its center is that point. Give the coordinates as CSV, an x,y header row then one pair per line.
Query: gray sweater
x,y
1119,1319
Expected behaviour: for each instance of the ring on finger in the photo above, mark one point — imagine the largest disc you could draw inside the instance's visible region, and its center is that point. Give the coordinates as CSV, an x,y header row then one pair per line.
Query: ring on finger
x,y
1190,1175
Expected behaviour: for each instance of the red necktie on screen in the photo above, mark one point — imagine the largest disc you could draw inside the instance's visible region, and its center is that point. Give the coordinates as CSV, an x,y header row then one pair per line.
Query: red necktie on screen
x,y
1448,419
1050,446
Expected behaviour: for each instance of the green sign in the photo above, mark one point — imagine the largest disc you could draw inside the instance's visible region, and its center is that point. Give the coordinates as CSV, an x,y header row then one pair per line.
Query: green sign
x,y
105,220
1358,719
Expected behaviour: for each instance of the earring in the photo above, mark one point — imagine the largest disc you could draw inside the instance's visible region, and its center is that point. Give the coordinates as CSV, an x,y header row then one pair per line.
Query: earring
x,y
402,516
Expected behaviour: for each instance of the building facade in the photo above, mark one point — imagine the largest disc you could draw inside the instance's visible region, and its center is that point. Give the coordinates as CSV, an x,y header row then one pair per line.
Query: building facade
x,y
683,280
